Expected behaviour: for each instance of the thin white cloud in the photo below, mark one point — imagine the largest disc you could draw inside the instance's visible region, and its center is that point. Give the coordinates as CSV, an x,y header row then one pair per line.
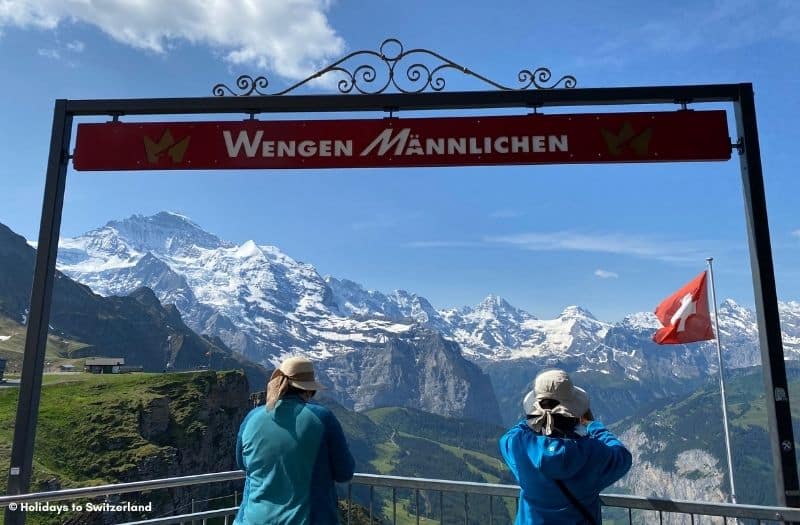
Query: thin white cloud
x,y
667,250
76,46
605,274
49,53
796,233
292,38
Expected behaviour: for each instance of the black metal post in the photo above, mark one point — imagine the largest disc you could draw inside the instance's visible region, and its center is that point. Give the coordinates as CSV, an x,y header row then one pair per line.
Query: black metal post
x,y
19,477
766,302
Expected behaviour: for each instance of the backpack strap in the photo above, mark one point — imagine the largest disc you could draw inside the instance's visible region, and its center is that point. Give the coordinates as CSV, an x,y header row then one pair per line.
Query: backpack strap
x,y
577,504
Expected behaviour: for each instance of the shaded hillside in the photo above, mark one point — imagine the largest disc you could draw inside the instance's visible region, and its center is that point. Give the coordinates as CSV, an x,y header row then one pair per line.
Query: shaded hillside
x,y
12,346
137,327
680,449
460,433
426,445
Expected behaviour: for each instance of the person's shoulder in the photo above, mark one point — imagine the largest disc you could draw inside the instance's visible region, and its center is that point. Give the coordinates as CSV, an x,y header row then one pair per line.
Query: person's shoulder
x,y
520,426
322,412
254,413
521,430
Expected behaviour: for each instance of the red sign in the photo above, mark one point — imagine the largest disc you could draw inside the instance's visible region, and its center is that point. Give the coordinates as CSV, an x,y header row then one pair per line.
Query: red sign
x,y
459,141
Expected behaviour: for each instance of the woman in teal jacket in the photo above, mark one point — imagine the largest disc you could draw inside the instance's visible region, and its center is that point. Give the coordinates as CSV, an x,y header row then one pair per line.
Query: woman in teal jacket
x,y
561,458
292,452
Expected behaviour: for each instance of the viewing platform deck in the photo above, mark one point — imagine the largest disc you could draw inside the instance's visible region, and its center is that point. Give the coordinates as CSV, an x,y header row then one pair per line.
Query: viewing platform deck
x,y
619,508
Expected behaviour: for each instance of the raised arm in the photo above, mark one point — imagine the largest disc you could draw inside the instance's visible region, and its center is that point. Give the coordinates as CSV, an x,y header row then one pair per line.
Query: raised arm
x,y
615,457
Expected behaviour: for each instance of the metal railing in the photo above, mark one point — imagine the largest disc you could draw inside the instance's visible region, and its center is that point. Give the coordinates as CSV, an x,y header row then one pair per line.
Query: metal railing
x,y
406,492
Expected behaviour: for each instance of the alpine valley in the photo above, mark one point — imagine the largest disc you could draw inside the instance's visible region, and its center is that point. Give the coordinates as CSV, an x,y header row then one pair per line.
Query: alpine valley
x,y
254,303
395,349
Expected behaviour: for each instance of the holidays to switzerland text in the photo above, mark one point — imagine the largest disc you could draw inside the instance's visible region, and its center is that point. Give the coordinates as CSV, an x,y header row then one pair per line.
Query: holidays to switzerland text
x,y
59,508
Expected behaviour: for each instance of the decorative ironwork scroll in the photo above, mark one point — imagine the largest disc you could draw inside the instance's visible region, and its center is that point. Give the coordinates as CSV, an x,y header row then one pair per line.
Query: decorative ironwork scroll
x,y
411,71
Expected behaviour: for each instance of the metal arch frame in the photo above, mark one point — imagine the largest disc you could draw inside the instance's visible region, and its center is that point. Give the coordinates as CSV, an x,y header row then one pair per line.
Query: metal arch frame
x,y
740,95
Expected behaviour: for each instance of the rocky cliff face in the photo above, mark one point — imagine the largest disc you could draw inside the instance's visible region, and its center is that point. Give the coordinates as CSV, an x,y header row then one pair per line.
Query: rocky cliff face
x,y
198,431
695,476
420,370
192,428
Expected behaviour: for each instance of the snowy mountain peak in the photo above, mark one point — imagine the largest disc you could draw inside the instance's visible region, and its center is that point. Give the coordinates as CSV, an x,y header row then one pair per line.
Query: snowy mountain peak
x,y
495,307
493,302
641,321
729,303
417,308
248,250
573,312
408,299
790,308
164,232
346,283
731,309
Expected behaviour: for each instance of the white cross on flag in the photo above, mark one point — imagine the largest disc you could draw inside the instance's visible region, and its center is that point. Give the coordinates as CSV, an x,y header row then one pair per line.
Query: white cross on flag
x,y
684,315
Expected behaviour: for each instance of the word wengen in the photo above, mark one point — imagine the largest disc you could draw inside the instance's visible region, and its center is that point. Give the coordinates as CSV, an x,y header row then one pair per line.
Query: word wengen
x,y
401,142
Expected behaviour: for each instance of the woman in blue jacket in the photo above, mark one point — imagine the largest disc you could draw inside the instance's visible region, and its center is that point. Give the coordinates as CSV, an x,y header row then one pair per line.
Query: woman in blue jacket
x,y
560,456
292,452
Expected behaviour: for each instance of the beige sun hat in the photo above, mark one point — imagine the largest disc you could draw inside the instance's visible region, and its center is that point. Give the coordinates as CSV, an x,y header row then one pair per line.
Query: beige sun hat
x,y
300,373
294,371
555,384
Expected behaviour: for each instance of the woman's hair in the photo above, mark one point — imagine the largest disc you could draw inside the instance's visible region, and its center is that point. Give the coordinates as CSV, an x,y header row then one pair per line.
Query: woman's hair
x,y
562,424
295,390
548,404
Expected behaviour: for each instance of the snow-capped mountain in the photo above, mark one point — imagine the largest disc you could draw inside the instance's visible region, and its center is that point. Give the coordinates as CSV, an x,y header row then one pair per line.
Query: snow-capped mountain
x,y
265,304
257,299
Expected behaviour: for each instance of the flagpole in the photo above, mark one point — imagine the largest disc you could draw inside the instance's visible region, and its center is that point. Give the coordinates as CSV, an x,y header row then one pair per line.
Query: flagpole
x,y
721,380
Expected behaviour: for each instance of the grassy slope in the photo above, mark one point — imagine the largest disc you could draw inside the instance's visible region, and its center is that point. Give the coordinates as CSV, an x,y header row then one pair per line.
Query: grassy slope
x,y
88,429
58,349
430,446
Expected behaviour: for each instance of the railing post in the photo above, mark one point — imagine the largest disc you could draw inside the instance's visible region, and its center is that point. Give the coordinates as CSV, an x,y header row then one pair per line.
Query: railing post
x,y
349,501
416,503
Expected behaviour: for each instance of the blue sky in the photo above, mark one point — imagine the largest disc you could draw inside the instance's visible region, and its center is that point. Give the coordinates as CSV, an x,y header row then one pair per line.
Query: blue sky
x,y
614,239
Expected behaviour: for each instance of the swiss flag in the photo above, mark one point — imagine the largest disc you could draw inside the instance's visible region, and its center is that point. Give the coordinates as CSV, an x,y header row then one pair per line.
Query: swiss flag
x,y
684,315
